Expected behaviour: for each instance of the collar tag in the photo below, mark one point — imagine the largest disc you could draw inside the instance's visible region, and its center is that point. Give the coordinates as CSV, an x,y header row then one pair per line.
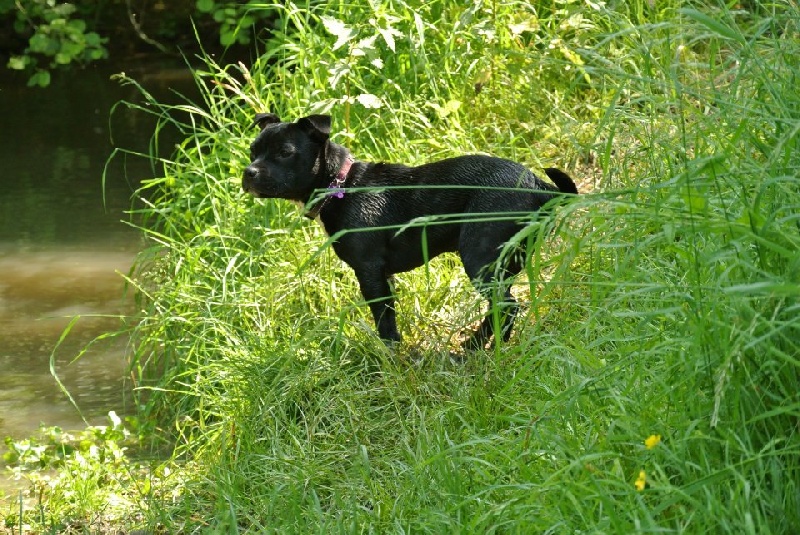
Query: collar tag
x,y
336,188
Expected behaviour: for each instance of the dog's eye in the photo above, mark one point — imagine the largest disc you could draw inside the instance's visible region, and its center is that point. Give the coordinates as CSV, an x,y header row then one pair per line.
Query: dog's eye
x,y
286,152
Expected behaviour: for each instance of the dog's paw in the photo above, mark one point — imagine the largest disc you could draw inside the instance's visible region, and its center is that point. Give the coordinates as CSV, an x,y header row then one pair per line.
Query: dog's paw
x,y
476,342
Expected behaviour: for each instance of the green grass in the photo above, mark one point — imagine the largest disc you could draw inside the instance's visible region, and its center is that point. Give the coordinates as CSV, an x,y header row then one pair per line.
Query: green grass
x,y
663,302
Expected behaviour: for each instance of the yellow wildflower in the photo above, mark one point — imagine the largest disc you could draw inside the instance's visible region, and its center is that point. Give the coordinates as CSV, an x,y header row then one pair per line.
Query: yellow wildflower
x,y
652,441
640,481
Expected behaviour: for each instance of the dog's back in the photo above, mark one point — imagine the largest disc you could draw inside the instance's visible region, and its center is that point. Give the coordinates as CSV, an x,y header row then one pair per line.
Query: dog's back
x,y
464,204
463,184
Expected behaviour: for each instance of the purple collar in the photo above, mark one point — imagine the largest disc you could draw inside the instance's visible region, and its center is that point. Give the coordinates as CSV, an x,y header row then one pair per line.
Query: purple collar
x,y
336,188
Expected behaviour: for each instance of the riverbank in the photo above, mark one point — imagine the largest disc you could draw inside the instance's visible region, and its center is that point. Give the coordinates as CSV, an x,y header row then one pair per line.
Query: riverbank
x,y
65,244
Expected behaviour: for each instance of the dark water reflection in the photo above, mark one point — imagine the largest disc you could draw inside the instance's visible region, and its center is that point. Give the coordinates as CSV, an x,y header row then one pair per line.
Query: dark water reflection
x,y
60,247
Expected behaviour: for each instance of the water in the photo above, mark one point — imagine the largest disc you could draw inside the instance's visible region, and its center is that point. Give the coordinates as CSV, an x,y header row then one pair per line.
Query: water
x,y
61,249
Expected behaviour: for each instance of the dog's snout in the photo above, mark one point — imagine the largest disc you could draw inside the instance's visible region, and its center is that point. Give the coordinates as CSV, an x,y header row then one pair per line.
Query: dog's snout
x,y
250,172
249,178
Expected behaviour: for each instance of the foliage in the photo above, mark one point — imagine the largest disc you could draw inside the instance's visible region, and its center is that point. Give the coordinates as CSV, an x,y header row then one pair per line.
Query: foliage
x,y
234,18
651,384
71,477
62,34
55,35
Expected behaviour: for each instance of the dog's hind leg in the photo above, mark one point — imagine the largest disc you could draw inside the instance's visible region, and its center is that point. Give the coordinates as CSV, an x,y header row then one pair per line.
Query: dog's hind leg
x,y
502,312
480,257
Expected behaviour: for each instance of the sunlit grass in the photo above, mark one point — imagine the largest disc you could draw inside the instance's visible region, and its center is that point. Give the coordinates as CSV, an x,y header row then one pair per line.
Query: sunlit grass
x,y
662,303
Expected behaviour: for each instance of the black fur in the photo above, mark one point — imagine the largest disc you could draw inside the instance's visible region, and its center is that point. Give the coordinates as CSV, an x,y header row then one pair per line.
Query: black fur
x,y
293,160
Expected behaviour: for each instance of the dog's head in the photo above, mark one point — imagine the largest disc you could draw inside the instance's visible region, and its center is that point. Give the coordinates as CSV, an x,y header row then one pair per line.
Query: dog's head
x,y
287,160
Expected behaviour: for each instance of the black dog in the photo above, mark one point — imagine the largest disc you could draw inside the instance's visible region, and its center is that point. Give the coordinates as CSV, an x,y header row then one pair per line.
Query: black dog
x,y
460,198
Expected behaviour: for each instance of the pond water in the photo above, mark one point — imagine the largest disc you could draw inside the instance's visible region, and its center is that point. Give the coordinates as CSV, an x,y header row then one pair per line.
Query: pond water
x,y
62,247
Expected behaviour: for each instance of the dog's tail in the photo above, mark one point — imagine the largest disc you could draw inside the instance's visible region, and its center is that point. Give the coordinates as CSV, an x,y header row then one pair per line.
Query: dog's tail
x,y
562,180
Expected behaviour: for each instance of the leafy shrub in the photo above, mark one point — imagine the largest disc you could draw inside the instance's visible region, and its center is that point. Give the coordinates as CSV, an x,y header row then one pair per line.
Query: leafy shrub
x,y
56,35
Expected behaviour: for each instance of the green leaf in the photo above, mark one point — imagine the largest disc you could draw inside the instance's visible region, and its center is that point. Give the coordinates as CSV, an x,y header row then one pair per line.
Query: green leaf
x,y
369,100
339,70
77,25
115,420
70,50
205,6
339,29
41,44
97,53
365,47
388,36
93,40
59,23
452,106
62,10
18,63
714,25
40,78
227,38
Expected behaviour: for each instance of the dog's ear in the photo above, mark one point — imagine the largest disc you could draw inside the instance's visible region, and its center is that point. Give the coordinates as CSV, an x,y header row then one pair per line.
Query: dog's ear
x,y
317,126
261,120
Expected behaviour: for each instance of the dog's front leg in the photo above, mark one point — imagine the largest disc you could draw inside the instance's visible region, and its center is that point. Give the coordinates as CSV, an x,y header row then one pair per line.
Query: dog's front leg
x,y
377,292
